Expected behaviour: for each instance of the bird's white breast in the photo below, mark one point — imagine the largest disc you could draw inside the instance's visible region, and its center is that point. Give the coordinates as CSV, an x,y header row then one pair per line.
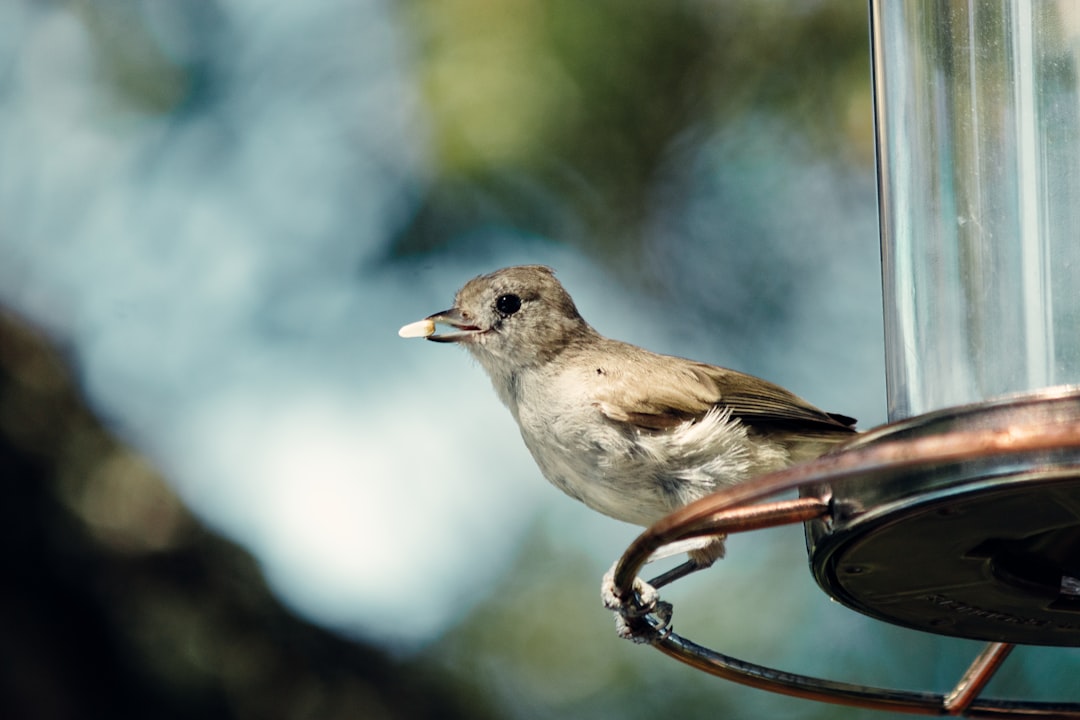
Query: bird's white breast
x,y
630,474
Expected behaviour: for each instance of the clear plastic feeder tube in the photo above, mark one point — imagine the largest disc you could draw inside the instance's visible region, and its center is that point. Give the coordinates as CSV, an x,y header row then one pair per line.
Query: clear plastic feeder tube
x,y
978,121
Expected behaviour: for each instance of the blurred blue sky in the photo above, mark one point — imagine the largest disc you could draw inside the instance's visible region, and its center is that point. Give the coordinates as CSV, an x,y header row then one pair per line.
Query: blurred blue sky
x,y
216,254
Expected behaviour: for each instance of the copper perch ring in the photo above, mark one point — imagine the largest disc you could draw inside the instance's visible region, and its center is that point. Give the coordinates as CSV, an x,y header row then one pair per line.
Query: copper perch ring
x,y
743,508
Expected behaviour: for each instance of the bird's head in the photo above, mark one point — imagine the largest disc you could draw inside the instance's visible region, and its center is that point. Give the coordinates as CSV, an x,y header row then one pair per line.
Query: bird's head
x,y
516,317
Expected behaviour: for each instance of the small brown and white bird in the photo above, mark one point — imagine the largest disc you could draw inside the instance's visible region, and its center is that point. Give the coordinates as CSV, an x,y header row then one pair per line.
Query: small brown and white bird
x,y
630,433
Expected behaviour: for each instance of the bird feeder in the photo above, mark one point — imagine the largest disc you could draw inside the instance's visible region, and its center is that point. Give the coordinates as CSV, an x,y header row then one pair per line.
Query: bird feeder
x,y
961,517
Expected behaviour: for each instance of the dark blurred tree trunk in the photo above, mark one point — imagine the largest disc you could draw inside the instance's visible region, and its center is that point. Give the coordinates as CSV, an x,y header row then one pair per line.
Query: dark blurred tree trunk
x,y
117,604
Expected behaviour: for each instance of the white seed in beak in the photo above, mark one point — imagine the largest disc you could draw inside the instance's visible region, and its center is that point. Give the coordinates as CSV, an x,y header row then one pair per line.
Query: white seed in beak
x,y
420,328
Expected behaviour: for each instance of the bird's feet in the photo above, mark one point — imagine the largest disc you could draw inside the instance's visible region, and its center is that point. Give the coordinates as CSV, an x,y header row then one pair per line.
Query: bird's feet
x,y
631,621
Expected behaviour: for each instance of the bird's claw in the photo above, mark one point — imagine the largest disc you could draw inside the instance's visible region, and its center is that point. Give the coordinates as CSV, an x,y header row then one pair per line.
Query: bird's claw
x,y
631,616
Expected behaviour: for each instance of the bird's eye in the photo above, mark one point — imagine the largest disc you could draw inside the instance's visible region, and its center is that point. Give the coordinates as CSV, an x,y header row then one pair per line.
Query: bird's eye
x,y
508,304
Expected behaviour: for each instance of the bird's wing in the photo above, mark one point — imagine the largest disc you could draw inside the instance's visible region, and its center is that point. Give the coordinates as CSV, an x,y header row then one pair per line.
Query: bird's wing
x,y
663,391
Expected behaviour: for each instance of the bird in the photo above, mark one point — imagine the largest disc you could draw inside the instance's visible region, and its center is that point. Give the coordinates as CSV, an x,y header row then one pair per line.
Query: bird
x,y
630,433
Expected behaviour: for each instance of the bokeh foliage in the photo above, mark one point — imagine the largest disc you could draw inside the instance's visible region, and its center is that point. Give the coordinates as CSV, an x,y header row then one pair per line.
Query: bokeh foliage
x,y
557,116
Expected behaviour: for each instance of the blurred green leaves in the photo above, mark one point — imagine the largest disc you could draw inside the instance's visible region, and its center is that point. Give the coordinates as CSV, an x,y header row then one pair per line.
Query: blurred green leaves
x,y
580,103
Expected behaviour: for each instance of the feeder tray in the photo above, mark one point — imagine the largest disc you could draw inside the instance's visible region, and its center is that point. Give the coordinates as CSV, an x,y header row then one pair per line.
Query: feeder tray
x,y
986,548
963,522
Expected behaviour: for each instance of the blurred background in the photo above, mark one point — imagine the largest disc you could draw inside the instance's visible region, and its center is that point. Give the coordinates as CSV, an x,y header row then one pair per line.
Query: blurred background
x,y
231,491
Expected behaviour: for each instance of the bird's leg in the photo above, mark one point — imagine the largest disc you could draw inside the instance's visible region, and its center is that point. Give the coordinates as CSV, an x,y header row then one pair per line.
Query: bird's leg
x,y
699,558
630,622
676,573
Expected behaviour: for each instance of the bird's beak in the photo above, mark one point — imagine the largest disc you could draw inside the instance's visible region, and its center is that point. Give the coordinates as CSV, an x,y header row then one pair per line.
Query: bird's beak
x,y
456,320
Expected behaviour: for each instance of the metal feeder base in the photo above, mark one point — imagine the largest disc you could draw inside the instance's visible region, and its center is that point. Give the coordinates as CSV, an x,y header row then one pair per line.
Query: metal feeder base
x,y
985,548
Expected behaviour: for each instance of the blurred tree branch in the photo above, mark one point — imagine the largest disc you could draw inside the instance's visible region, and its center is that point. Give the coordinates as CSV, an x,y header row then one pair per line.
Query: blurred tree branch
x,y
118,604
